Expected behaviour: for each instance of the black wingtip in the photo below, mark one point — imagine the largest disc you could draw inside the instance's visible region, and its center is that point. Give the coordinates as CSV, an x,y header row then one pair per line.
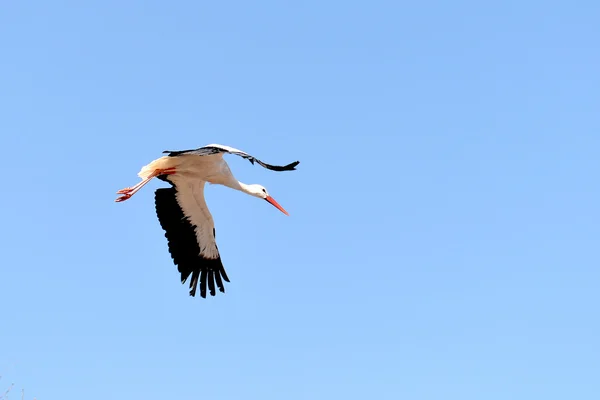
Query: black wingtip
x,y
292,166
289,167
224,275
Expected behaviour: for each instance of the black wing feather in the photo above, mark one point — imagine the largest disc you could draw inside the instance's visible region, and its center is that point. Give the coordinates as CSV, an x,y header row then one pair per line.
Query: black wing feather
x,y
203,283
211,282
184,248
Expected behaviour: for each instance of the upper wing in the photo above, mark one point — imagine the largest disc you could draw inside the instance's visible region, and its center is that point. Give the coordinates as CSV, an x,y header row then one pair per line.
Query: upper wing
x,y
218,148
190,233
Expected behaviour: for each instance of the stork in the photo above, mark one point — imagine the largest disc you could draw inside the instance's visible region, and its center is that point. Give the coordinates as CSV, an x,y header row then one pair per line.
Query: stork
x,y
183,213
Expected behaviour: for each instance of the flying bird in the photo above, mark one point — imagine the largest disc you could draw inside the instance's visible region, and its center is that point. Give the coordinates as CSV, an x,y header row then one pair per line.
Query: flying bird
x,y
183,213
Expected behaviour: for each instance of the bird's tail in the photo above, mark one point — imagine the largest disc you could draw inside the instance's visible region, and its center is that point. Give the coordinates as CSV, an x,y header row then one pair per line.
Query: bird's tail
x,y
159,163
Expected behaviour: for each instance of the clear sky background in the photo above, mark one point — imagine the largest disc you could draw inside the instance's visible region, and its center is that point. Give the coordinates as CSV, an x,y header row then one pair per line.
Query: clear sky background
x,y
444,233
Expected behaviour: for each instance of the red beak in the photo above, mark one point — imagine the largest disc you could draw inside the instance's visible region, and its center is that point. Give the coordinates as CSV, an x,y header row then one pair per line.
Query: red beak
x,y
276,204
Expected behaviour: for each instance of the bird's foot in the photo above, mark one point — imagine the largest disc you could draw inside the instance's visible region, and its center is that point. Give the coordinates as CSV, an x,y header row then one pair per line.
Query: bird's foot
x,y
130,191
123,198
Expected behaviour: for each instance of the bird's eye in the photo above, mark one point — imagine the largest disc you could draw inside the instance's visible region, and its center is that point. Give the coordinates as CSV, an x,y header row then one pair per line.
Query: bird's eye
x,y
265,190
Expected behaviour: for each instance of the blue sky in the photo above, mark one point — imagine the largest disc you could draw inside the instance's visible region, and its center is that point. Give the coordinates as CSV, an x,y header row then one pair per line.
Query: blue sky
x,y
443,237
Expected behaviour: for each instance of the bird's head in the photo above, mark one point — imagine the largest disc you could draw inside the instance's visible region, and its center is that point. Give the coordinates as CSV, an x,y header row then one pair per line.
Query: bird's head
x,y
261,192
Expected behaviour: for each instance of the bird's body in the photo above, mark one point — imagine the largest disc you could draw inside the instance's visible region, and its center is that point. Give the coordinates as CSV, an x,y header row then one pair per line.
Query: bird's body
x,y
183,213
211,168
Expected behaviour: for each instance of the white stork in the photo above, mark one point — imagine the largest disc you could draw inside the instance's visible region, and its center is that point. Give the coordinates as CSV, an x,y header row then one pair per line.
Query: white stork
x,y
182,211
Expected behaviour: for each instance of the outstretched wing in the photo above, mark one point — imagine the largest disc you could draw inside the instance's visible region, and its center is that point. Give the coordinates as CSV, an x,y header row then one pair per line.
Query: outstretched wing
x,y
190,233
220,149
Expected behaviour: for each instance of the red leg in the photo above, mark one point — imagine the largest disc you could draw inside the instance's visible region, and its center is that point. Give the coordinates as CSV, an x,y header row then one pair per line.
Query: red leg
x,y
130,191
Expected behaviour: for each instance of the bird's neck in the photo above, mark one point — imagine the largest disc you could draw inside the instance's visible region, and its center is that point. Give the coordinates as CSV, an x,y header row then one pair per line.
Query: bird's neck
x,y
241,186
